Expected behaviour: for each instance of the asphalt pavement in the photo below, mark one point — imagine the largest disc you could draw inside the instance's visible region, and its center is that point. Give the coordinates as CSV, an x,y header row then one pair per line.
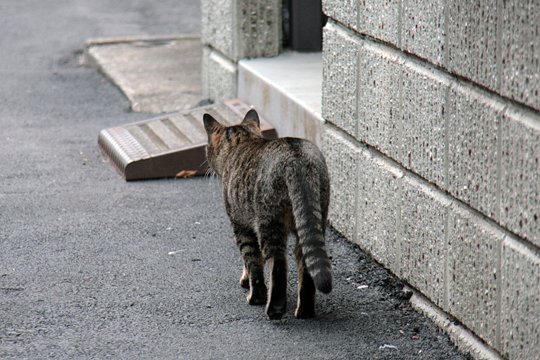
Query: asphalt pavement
x,y
95,267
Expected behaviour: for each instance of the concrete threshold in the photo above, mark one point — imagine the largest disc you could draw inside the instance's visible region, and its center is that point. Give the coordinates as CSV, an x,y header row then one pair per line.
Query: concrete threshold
x,y
285,89
157,74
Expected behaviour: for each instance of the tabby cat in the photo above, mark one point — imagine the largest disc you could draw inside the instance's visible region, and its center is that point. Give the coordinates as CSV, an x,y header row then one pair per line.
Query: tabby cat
x,y
273,188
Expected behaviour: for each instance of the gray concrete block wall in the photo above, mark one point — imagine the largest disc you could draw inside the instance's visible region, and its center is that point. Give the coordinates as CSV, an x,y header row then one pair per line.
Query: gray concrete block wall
x,y
343,10
343,168
377,212
471,41
423,129
472,135
520,332
492,43
380,19
424,216
520,174
459,259
423,30
217,26
445,130
242,28
219,76
340,66
259,28
378,98
446,139
473,270
233,30
520,51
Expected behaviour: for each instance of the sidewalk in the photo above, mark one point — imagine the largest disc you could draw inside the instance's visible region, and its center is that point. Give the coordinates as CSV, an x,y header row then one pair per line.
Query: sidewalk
x,y
94,267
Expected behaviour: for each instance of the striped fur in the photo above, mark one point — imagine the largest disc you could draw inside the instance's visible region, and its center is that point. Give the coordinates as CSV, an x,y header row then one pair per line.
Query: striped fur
x,y
273,188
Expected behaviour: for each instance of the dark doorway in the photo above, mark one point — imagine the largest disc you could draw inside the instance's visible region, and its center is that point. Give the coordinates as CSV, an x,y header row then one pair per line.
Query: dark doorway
x,y
303,21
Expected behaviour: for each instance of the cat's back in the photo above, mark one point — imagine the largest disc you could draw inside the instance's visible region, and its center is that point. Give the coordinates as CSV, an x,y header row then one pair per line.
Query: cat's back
x,y
290,151
291,171
265,163
288,159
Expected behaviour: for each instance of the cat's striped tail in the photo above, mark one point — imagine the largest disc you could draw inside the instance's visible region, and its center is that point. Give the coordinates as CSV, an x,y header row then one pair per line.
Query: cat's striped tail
x,y
305,194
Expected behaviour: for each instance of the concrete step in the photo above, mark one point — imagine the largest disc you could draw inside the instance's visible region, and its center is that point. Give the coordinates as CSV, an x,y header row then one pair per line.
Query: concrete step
x,y
286,90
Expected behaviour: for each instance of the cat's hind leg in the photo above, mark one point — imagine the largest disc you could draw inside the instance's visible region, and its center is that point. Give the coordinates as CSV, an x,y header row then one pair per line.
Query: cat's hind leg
x,y
305,306
253,274
244,279
273,241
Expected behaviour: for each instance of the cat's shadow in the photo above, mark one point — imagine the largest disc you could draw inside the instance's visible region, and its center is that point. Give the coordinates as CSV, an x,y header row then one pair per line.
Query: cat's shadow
x,y
340,310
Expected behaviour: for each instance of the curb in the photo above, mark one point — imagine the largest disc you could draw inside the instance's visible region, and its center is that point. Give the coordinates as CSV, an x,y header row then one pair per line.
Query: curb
x,y
465,341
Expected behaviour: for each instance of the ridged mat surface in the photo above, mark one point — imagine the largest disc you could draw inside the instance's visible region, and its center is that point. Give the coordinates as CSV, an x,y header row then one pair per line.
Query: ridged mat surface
x,y
171,145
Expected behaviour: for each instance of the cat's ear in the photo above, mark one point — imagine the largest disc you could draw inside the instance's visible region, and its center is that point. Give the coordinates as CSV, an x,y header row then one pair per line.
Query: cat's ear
x,y
251,118
210,124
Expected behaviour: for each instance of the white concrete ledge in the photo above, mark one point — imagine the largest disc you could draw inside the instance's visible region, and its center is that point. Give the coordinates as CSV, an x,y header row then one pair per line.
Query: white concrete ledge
x,y
286,90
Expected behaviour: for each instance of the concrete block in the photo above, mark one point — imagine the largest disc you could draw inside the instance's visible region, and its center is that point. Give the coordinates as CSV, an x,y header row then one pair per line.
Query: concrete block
x,y
340,71
424,214
219,76
343,11
473,120
520,301
378,98
378,210
380,19
422,29
521,51
217,29
423,130
473,273
342,160
471,41
260,28
242,28
520,174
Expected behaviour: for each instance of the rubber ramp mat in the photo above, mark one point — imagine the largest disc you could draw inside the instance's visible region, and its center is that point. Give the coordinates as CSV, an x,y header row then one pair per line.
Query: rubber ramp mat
x,y
171,145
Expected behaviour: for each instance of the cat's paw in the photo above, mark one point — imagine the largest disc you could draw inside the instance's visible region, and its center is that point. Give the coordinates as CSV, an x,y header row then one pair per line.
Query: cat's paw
x,y
305,312
244,279
275,312
244,282
257,296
